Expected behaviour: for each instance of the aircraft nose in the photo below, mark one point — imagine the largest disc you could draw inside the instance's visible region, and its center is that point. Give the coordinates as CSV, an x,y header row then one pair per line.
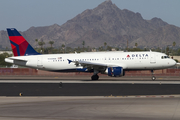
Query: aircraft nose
x,y
173,62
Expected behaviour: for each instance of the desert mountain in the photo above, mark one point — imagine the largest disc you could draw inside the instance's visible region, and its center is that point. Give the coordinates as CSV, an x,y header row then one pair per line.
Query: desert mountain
x,y
105,23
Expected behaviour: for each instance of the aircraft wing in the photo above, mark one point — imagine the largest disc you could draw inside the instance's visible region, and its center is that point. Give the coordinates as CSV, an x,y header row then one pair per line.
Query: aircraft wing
x,y
92,65
84,63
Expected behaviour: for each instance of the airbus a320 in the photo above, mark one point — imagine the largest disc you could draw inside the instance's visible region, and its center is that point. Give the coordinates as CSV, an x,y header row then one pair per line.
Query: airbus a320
x,y
113,64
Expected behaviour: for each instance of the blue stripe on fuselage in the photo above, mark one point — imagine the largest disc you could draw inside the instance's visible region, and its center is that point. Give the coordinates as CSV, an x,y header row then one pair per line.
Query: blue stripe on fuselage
x,y
73,70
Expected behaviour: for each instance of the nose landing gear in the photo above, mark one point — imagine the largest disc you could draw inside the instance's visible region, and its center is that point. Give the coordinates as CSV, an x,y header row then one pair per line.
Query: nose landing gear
x,y
153,77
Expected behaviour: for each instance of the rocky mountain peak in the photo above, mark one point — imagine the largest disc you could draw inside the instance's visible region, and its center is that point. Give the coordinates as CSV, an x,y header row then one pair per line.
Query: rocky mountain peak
x,y
106,5
105,23
107,2
158,22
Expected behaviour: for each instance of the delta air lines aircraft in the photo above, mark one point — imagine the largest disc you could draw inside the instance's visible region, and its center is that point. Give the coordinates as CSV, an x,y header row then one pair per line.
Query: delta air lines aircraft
x,y
113,64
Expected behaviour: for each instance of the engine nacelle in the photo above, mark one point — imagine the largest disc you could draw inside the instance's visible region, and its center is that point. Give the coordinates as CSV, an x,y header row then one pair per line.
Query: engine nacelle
x,y
115,71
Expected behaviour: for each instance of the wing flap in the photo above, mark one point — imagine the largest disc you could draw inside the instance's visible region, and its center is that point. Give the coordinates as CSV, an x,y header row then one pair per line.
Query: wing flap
x,y
93,65
85,63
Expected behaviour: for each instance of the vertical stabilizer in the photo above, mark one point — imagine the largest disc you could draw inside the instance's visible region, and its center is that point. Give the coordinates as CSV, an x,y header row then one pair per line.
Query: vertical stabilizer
x,y
20,46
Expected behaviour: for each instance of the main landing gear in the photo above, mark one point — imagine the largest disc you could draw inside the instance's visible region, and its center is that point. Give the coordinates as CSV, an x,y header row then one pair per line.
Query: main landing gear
x,y
95,77
153,77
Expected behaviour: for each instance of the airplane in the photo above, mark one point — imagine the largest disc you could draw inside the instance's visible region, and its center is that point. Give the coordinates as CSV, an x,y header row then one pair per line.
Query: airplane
x,y
114,63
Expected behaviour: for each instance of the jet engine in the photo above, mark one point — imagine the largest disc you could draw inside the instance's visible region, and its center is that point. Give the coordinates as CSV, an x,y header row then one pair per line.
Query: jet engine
x,y
115,71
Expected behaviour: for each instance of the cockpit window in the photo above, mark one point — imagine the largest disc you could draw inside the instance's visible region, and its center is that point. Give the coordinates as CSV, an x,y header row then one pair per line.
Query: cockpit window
x,y
164,57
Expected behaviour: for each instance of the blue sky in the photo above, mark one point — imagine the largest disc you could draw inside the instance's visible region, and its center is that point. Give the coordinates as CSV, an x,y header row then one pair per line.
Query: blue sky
x,y
23,14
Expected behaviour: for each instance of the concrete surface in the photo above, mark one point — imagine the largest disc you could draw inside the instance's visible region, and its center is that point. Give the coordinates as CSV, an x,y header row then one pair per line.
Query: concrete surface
x,y
88,108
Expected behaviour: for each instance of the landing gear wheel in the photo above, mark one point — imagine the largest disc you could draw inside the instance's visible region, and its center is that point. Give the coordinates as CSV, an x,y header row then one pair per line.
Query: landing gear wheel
x,y
153,78
94,77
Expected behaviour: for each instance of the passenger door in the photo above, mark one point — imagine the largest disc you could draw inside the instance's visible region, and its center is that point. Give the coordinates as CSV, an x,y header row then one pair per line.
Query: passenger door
x,y
152,58
40,62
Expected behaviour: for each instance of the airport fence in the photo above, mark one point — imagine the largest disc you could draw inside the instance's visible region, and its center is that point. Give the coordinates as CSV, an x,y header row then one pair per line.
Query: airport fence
x,y
35,72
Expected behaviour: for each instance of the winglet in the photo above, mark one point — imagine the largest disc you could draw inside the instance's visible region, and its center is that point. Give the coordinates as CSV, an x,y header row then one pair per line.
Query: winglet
x,y
20,46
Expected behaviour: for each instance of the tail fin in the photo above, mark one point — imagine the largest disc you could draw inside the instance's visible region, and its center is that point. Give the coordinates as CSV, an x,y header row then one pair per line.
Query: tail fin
x,y
20,46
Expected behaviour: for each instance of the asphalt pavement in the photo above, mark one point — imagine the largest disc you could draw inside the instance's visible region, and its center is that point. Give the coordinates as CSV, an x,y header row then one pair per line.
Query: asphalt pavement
x,y
74,98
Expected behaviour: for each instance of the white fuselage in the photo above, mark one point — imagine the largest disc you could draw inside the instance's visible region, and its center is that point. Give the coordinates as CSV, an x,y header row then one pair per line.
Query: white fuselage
x,y
126,60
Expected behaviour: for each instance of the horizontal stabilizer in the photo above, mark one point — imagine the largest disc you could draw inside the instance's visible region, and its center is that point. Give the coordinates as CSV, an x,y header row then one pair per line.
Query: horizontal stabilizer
x,y
17,58
177,64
